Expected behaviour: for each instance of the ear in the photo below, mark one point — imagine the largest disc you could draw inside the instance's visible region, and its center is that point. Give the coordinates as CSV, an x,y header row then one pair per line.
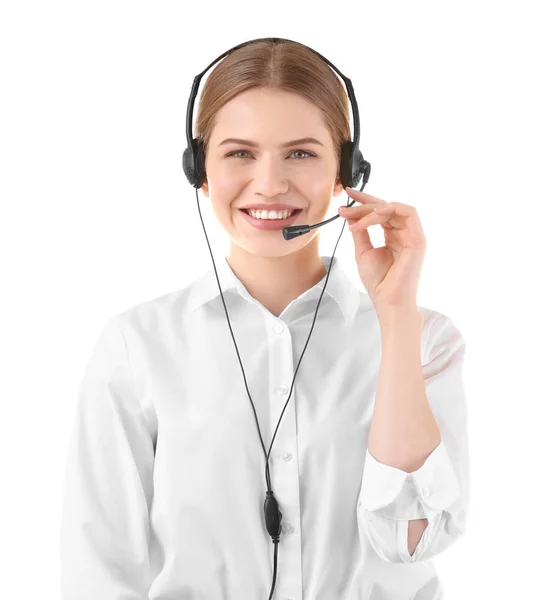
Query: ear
x,y
205,188
338,187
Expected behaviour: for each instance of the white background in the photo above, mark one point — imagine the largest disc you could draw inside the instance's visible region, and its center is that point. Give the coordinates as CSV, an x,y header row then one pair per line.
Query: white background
x,y
97,216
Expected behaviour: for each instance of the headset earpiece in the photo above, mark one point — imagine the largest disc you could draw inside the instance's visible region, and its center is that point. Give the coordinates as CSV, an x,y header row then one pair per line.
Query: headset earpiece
x,y
353,165
194,163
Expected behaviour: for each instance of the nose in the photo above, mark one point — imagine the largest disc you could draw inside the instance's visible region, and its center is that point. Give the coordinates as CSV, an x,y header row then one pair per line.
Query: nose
x,y
269,177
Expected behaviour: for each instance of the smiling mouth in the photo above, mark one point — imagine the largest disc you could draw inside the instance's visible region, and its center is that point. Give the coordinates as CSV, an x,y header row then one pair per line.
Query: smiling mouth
x,y
294,212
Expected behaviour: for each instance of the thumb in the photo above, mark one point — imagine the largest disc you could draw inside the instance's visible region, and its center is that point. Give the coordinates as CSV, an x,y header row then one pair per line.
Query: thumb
x,y
362,241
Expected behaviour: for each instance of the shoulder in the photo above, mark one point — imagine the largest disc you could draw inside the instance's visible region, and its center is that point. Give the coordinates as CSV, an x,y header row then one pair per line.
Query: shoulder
x,y
155,314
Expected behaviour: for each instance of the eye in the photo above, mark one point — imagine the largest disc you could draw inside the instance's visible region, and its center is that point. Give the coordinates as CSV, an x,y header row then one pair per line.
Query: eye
x,y
304,152
309,154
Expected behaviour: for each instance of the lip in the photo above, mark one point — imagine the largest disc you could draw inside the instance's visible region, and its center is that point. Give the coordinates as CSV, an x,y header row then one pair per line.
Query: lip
x,y
276,206
271,224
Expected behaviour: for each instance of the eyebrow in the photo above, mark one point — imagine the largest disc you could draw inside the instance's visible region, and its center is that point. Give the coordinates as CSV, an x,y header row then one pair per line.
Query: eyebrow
x,y
306,140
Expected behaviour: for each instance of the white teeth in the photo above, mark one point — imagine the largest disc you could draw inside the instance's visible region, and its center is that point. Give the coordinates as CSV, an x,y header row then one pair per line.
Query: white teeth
x,y
273,214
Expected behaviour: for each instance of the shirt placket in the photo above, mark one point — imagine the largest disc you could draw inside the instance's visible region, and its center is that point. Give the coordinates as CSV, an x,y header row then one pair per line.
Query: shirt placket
x,y
284,464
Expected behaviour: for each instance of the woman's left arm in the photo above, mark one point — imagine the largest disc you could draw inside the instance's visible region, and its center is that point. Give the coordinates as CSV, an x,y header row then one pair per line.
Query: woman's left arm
x,y
403,431
412,399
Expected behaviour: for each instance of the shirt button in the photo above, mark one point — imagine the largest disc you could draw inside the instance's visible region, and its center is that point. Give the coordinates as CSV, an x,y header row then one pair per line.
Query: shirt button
x,y
426,492
287,456
287,528
278,327
283,389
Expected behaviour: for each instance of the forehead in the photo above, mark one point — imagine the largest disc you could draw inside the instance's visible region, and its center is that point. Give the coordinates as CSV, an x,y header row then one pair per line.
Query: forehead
x,y
269,114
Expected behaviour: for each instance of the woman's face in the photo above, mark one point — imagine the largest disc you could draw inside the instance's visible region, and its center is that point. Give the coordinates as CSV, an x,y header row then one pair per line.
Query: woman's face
x,y
303,175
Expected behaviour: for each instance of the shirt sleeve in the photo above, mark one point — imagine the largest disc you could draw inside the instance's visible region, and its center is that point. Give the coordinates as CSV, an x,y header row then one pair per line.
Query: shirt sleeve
x,y
107,489
439,490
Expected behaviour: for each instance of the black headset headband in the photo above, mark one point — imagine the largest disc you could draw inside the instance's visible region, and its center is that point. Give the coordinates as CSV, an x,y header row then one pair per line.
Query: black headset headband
x,y
197,79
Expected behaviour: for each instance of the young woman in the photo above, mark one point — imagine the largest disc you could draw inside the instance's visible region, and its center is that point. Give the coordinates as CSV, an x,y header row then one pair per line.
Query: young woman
x,y
367,442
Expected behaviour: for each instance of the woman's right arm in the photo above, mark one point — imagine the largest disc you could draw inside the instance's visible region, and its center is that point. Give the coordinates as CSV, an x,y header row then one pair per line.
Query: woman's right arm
x,y
107,492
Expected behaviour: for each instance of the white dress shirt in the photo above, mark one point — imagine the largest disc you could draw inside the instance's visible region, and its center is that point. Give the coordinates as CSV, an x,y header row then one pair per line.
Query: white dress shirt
x,y
165,477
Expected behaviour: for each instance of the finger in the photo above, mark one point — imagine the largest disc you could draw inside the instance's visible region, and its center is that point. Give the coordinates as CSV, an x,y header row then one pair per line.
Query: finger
x,y
356,210
403,210
397,216
363,196
404,216
373,218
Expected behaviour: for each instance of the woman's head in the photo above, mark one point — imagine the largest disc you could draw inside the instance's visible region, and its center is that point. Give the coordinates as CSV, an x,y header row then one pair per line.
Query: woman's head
x,y
271,93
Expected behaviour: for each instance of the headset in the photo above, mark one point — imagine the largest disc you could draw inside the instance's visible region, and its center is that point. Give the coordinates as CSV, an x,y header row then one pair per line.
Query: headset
x,y
352,167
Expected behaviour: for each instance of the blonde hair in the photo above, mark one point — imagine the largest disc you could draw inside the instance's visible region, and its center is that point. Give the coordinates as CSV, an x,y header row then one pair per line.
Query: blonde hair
x,y
279,65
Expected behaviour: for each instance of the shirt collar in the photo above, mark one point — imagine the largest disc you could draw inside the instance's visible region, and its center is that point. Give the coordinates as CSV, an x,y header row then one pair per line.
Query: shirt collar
x,y
339,287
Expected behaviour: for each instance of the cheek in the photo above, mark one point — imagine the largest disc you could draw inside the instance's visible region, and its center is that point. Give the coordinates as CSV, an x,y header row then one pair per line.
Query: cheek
x,y
225,180
225,170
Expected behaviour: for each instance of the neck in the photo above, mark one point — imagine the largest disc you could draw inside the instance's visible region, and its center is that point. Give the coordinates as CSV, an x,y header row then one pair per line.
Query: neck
x,y
276,281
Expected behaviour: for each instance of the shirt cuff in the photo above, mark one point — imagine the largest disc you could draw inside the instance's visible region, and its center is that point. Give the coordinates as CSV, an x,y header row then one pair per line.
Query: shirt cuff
x,y
396,494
